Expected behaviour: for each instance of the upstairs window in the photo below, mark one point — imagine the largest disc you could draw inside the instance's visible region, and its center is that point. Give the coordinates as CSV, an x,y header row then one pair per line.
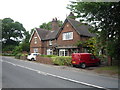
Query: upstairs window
x,y
35,40
68,36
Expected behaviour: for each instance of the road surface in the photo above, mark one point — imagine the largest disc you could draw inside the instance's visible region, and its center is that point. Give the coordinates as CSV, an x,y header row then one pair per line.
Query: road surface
x,y
26,74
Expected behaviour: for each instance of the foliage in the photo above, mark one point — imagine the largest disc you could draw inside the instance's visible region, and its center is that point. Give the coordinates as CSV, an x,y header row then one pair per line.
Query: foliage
x,y
48,26
48,56
90,44
62,60
12,32
24,45
7,48
104,16
7,54
17,56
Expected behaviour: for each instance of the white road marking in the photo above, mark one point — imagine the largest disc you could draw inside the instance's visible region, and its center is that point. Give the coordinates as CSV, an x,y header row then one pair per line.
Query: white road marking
x,y
64,78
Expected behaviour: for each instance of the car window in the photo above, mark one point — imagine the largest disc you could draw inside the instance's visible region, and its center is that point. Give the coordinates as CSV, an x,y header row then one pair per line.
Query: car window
x,y
35,54
93,57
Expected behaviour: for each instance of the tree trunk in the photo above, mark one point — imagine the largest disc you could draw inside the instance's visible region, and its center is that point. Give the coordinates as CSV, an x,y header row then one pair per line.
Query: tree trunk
x,y
109,60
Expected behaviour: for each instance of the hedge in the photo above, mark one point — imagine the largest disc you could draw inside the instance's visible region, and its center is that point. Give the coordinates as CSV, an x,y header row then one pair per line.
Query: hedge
x,y
62,60
17,56
48,56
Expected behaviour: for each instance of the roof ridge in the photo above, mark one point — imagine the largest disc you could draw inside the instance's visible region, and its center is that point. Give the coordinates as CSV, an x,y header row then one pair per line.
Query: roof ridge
x,y
74,20
42,29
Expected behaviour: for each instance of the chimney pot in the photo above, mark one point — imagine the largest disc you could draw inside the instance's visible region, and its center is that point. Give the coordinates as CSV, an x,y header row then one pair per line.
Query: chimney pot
x,y
55,25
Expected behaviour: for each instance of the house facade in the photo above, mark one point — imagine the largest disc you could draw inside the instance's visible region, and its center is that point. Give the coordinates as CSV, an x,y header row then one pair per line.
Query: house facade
x,y
60,40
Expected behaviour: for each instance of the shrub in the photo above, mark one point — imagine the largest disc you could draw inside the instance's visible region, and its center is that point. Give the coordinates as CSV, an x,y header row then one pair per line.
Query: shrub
x,y
7,54
48,56
62,60
18,55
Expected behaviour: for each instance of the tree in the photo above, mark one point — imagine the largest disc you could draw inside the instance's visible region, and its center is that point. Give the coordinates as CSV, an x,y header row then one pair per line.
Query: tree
x,y
90,44
12,33
24,45
104,16
48,26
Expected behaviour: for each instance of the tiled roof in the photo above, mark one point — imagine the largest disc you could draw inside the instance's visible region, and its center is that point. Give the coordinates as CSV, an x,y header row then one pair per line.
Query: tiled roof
x,y
46,34
82,29
42,33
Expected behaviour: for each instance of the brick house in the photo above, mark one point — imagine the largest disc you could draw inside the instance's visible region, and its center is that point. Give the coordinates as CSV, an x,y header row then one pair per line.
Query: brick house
x,y
60,40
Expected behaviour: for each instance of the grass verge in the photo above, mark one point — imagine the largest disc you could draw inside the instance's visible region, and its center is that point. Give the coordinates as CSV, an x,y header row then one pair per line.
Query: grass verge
x,y
111,70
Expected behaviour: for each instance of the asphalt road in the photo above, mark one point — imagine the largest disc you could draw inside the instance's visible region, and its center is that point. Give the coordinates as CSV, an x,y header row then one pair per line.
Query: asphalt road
x,y
27,74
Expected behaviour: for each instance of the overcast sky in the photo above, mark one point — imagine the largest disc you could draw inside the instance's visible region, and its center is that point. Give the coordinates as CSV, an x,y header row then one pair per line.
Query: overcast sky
x,y
32,13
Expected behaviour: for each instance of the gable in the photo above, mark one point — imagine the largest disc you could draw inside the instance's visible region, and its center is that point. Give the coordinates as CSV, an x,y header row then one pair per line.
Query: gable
x,y
67,42
67,27
34,34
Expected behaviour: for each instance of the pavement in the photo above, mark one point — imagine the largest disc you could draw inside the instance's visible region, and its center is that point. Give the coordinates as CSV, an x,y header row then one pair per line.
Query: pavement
x,y
26,74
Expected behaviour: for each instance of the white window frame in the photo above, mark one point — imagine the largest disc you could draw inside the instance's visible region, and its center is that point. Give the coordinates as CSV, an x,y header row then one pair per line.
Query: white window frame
x,y
49,52
50,42
35,50
63,50
35,40
67,35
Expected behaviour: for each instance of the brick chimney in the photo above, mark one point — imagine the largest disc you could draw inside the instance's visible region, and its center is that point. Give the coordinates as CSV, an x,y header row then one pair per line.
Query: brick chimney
x,y
55,25
71,15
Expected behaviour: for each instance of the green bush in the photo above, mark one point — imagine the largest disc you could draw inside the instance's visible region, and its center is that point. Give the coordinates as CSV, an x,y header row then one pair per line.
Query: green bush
x,y
48,56
7,54
18,55
103,58
62,60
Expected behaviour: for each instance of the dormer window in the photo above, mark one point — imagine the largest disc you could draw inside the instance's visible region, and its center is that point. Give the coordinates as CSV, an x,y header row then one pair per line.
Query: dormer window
x,y
35,40
50,42
68,36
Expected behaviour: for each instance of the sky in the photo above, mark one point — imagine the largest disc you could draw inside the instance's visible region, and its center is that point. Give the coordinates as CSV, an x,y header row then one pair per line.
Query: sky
x,y
32,13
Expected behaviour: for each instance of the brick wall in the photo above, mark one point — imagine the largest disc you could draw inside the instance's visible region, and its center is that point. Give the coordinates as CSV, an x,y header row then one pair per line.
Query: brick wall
x,y
44,60
68,28
37,45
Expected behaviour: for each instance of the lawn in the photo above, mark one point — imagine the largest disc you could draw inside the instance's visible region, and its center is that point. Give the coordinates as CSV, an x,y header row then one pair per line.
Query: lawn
x,y
112,70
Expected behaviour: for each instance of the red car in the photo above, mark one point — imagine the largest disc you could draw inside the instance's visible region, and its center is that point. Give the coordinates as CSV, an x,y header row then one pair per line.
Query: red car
x,y
84,59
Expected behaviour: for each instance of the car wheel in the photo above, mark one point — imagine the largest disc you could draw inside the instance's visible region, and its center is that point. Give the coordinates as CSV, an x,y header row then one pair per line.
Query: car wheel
x,y
32,59
29,59
74,65
83,65
98,64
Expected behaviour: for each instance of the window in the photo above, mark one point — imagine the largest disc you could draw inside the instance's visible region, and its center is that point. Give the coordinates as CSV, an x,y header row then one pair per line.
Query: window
x,y
49,52
67,25
50,42
93,57
68,36
35,50
85,50
63,52
35,38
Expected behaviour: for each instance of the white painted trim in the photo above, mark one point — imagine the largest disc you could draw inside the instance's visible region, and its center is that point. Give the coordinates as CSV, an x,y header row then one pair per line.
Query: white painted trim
x,y
33,34
38,35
